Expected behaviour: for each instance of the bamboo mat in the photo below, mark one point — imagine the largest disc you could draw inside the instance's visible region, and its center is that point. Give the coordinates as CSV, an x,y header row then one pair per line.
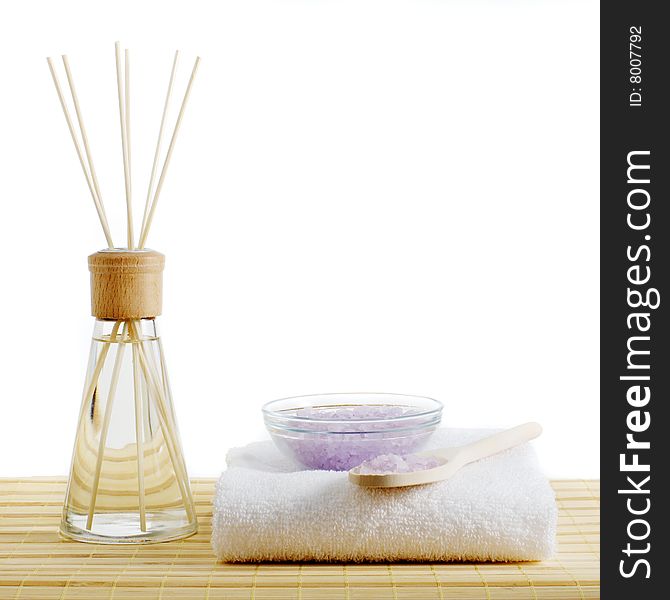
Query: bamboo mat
x,y
36,564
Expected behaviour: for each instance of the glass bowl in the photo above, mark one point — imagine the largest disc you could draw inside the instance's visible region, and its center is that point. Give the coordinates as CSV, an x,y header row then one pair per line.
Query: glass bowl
x,y
337,432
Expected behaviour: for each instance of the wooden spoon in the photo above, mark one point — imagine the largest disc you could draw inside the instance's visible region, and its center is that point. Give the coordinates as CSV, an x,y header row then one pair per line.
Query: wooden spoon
x,y
451,459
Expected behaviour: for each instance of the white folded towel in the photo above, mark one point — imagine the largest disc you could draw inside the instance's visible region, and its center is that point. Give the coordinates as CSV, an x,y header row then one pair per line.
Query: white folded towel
x,y
267,508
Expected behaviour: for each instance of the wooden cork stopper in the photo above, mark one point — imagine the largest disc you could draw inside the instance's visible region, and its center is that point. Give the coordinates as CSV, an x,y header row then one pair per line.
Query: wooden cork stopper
x,y
126,284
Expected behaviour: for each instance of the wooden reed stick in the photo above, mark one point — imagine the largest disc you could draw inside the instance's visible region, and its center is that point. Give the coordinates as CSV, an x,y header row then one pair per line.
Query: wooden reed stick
x,y
169,433
164,373
165,383
169,437
166,164
89,182
154,166
166,422
118,360
139,438
148,429
90,386
84,136
128,138
124,146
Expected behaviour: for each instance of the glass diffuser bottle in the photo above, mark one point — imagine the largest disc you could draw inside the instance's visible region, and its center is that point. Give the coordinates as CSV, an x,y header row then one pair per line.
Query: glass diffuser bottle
x,y
128,480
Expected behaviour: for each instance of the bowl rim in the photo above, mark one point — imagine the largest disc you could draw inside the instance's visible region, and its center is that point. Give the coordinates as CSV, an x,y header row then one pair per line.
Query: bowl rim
x,y
280,415
281,430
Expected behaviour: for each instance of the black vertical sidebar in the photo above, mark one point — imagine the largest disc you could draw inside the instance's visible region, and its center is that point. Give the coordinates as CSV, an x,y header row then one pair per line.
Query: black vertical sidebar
x,y
635,296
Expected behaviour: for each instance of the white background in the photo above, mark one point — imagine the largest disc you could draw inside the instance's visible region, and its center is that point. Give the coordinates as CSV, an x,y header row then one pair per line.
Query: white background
x,y
365,195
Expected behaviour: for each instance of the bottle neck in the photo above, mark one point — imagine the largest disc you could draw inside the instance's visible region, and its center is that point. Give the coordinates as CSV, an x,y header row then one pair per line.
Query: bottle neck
x,y
126,331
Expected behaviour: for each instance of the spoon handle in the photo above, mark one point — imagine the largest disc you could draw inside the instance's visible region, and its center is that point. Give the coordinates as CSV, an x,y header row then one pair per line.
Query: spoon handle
x,y
498,442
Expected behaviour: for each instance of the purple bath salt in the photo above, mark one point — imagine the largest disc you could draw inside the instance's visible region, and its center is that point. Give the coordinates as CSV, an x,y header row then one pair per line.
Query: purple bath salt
x,y
354,413
338,438
394,463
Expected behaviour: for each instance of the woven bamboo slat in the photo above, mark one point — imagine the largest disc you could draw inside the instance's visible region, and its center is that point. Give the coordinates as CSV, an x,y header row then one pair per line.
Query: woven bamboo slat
x,y
36,564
